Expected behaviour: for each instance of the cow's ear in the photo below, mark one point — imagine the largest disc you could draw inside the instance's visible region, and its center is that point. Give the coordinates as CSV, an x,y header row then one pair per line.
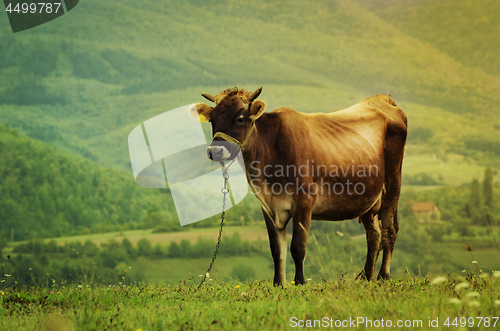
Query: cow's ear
x,y
257,109
201,111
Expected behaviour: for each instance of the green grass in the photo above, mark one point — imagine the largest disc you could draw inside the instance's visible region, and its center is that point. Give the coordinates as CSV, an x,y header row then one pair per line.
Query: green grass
x,y
173,271
251,306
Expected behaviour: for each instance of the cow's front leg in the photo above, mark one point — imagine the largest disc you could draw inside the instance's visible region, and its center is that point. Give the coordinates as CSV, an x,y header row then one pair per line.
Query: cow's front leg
x,y
277,241
301,223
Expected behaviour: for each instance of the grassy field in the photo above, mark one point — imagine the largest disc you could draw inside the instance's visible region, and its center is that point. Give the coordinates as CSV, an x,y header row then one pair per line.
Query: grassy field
x,y
251,233
455,171
414,303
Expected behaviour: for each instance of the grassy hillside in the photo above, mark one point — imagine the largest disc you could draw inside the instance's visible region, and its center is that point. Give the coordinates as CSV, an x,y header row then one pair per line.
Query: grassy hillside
x,y
466,30
84,81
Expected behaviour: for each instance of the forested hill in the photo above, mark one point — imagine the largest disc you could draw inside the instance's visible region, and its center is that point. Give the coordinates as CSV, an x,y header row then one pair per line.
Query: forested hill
x,y
83,81
47,193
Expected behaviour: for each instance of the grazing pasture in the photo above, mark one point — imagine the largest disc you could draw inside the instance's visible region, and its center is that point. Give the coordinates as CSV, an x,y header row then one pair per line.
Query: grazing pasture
x,y
445,302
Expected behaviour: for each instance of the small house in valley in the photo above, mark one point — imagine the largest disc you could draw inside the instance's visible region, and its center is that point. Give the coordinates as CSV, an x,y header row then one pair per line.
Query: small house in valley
x,y
426,212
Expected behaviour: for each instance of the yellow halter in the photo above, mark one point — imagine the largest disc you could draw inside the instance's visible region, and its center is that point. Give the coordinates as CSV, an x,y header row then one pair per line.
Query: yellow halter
x,y
233,140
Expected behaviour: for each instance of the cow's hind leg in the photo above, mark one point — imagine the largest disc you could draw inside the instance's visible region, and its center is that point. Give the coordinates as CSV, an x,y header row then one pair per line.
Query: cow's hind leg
x,y
390,229
301,223
373,239
389,208
277,241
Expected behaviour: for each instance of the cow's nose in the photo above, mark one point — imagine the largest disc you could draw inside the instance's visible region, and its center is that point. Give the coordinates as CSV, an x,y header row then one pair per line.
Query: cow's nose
x,y
217,153
209,152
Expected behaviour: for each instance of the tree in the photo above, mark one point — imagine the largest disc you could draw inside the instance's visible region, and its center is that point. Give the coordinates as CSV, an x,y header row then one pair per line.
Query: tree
x,y
475,199
144,247
90,248
488,187
131,251
159,252
185,248
462,227
436,233
475,202
2,245
406,212
154,218
174,250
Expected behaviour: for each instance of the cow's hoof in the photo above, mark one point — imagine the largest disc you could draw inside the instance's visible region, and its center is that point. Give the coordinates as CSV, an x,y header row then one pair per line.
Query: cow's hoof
x,y
361,275
382,276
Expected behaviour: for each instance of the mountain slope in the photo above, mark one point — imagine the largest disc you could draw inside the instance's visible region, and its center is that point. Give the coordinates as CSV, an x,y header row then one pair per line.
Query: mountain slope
x,y
468,31
108,66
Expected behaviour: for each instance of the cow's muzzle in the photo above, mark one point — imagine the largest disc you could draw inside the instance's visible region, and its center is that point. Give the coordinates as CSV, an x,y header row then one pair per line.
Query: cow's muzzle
x,y
218,153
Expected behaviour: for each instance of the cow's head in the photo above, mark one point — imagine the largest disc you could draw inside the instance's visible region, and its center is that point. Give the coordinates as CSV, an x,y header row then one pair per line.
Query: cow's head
x,y
232,119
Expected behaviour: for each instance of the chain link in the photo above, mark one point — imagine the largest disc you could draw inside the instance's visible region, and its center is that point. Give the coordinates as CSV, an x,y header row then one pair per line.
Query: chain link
x,y
224,191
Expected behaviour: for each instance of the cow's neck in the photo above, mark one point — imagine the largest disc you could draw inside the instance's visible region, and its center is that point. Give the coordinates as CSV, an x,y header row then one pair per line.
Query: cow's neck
x,y
262,141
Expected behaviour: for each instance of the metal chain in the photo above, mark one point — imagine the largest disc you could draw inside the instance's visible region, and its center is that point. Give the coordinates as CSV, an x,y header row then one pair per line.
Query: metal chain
x,y
224,191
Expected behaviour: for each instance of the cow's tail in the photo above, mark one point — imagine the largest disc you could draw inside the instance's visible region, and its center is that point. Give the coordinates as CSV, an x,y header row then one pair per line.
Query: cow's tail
x,y
396,223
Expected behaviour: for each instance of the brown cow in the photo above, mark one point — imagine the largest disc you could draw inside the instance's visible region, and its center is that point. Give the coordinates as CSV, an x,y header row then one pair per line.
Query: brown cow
x,y
322,166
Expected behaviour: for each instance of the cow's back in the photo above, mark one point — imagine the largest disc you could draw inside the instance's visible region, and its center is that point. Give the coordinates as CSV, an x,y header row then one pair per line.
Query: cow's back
x,y
385,104
357,129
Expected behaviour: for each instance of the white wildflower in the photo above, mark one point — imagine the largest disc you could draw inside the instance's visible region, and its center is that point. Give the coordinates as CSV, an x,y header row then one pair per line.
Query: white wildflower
x,y
474,303
438,280
461,285
472,295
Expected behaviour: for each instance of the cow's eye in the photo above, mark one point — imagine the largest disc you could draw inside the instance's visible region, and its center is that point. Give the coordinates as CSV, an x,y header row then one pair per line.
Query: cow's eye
x,y
240,121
